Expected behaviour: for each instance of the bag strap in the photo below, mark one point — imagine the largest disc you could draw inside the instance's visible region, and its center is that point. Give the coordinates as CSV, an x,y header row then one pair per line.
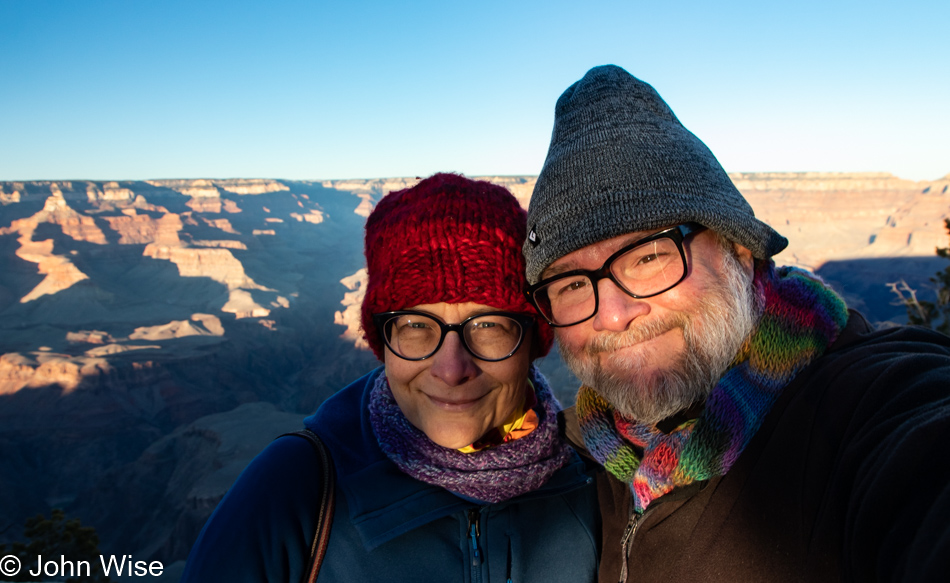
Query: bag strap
x,y
327,503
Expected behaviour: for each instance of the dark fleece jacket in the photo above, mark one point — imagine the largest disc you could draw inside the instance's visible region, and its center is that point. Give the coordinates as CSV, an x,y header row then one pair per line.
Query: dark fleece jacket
x,y
848,479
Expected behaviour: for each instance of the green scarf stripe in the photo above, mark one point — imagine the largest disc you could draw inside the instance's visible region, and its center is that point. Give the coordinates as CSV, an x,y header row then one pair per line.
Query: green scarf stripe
x,y
623,464
770,355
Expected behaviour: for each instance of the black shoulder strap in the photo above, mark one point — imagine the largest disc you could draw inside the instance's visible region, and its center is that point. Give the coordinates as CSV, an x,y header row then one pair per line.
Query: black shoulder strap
x,y
327,503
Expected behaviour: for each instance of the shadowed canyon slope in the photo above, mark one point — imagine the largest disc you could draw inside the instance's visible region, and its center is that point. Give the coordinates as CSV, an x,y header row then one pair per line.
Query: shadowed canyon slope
x,y
155,335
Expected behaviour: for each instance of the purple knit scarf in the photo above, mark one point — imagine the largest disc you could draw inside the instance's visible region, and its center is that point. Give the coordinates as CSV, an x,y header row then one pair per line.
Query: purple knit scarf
x,y
492,475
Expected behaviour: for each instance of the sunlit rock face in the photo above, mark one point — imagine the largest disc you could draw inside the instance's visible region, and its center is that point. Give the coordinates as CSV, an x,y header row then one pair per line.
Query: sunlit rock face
x,y
350,315
197,325
136,228
59,270
155,335
828,216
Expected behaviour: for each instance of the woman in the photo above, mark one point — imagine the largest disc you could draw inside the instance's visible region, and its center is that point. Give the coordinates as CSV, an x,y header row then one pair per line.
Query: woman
x,y
449,466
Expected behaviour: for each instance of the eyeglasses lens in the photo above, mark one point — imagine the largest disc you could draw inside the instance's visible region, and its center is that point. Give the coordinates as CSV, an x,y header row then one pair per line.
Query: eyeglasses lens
x,y
650,268
492,337
416,336
644,270
412,335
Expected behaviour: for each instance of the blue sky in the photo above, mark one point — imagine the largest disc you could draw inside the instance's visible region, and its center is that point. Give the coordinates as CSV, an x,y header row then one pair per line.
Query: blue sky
x,y
321,90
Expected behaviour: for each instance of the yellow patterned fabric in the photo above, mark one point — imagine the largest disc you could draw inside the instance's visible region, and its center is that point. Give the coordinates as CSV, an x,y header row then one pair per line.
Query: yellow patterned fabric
x,y
522,421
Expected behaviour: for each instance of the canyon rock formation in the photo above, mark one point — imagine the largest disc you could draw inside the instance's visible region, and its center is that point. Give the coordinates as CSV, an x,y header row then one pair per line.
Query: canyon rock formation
x,y
155,335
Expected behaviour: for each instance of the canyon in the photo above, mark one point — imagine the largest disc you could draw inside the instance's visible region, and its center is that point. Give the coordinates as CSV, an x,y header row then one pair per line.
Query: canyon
x,y
155,335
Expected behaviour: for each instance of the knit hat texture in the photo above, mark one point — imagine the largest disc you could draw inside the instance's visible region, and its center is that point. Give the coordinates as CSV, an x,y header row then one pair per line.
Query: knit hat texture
x,y
447,239
621,162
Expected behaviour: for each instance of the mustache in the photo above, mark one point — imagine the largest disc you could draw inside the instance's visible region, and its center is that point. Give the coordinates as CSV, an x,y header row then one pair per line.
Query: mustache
x,y
611,341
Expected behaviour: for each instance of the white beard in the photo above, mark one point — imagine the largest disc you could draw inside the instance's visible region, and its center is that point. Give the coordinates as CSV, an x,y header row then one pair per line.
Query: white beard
x,y
728,314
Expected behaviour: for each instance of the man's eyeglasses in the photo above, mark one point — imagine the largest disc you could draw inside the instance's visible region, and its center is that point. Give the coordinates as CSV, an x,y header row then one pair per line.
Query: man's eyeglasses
x,y
645,268
415,335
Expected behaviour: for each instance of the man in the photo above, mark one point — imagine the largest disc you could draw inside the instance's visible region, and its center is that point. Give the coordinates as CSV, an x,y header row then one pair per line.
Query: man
x,y
750,426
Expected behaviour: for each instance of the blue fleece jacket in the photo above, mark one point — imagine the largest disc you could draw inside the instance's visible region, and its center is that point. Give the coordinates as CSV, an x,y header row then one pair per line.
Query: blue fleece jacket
x,y
387,525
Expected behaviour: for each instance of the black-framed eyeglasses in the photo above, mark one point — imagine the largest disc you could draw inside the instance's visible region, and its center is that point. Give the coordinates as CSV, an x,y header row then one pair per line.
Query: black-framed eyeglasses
x,y
492,336
645,268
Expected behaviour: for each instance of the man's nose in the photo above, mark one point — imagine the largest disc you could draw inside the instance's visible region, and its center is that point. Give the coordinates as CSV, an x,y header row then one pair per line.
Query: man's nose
x,y
615,308
453,364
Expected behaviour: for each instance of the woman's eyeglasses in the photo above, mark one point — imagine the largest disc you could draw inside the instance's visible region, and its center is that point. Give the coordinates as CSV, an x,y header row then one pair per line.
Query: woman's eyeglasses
x,y
415,335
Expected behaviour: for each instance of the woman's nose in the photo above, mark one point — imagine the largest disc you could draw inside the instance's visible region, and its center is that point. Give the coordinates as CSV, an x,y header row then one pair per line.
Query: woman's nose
x,y
453,364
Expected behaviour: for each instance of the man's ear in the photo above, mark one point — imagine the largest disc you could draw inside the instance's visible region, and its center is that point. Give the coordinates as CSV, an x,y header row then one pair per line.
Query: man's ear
x,y
745,259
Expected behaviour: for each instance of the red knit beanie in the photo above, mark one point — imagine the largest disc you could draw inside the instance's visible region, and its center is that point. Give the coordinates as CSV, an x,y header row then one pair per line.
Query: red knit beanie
x,y
447,239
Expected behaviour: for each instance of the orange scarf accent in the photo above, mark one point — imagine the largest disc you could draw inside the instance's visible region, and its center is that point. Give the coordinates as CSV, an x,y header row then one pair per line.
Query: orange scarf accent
x,y
522,421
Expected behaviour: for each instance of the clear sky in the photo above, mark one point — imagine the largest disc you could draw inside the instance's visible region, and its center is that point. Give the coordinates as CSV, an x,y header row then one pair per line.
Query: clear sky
x,y
144,89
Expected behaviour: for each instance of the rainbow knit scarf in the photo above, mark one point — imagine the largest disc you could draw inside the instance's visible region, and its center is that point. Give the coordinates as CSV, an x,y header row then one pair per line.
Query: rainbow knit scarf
x,y
801,318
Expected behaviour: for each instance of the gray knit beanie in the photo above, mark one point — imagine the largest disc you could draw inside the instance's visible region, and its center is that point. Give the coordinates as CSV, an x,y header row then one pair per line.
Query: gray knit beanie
x,y
621,162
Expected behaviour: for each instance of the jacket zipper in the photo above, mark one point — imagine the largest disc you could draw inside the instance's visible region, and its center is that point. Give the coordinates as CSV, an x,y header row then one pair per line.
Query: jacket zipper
x,y
474,530
625,541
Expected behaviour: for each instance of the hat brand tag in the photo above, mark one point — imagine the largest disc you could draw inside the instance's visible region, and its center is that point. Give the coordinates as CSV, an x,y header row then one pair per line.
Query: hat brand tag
x,y
533,237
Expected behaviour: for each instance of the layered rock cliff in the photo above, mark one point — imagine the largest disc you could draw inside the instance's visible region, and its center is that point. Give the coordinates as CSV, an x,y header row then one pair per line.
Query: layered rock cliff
x,y
830,216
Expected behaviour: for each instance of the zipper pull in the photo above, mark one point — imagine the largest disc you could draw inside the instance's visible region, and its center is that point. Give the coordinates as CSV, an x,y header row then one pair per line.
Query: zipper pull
x,y
625,541
473,532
